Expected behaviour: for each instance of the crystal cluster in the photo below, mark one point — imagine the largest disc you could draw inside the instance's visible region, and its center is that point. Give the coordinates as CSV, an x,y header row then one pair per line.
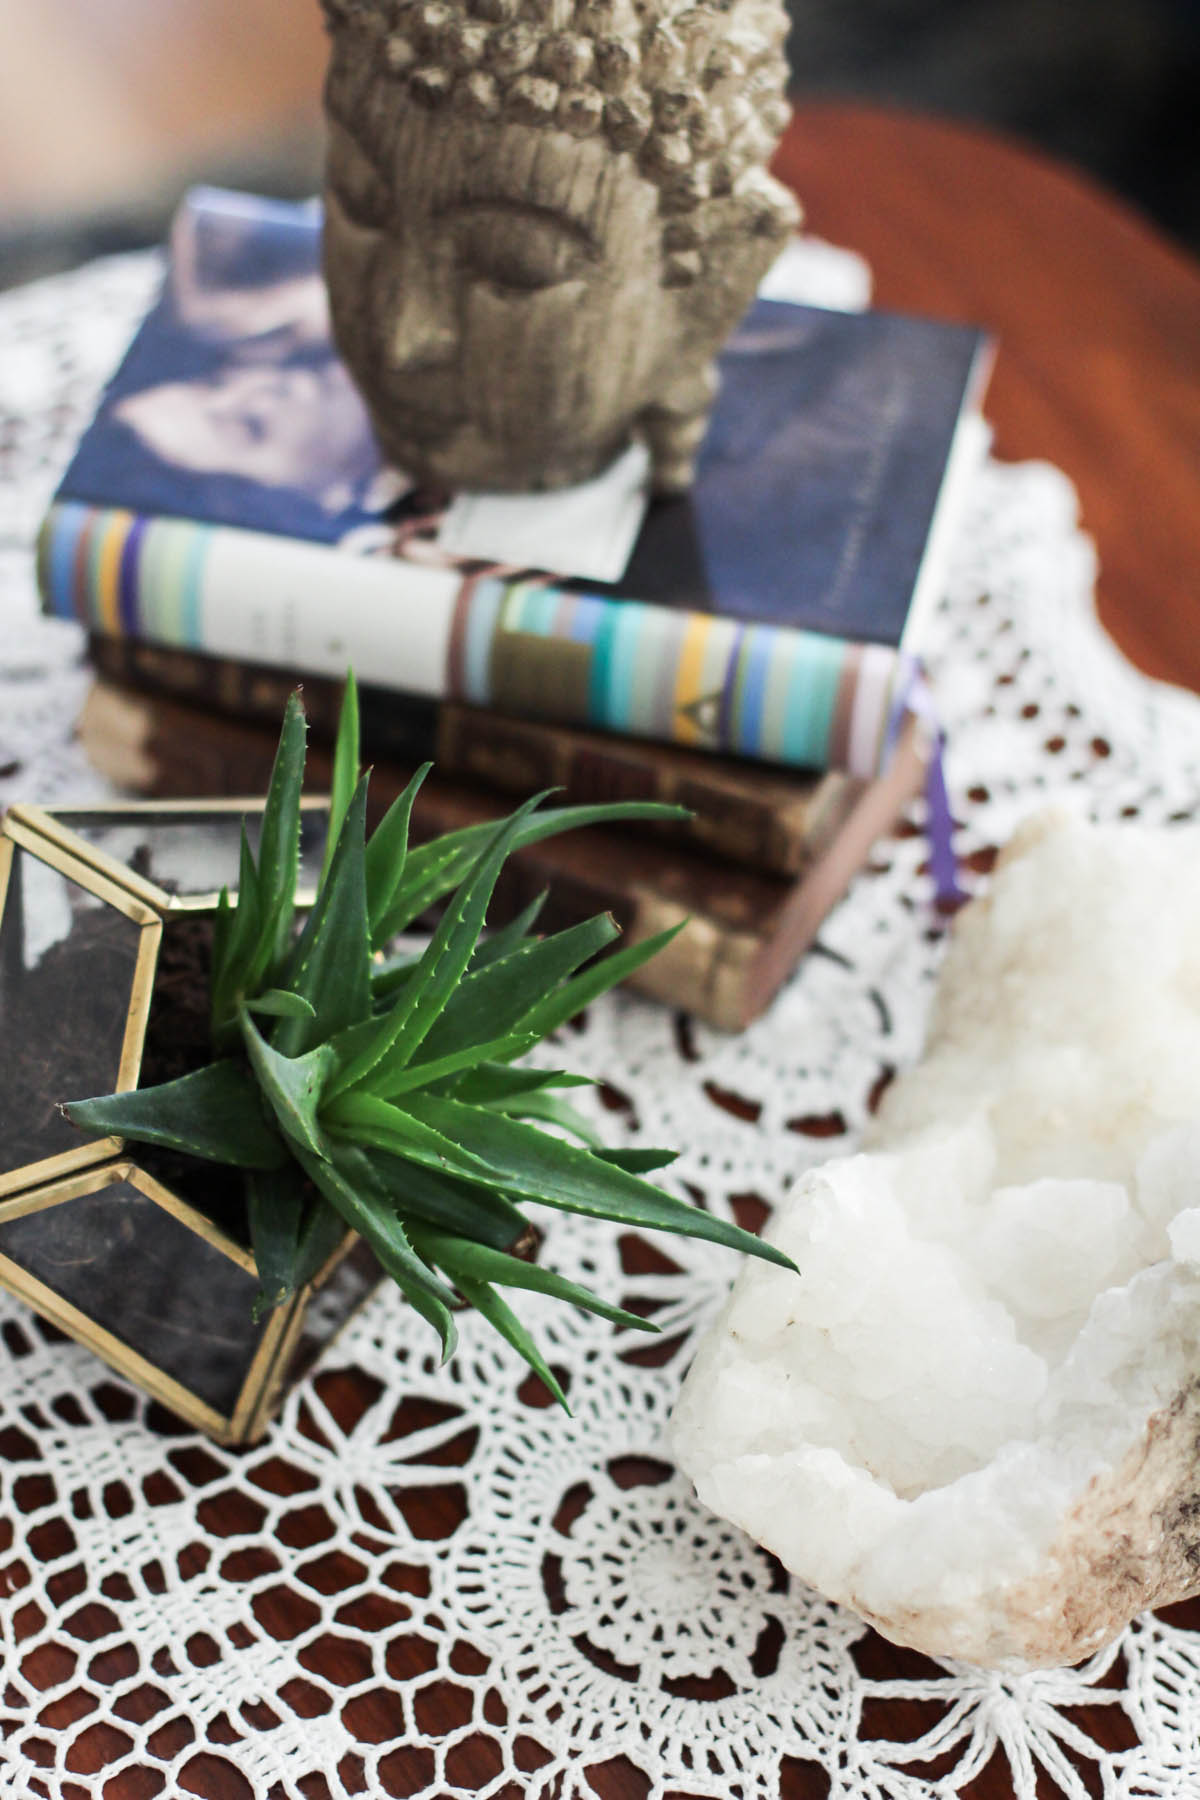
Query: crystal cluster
x,y
973,1416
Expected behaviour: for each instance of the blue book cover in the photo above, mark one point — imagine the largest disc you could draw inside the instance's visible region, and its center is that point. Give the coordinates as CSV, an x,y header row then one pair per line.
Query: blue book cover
x,y
818,484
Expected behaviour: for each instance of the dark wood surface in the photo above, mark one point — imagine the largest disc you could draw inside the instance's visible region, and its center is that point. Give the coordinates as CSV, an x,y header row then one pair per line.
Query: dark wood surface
x,y
1099,327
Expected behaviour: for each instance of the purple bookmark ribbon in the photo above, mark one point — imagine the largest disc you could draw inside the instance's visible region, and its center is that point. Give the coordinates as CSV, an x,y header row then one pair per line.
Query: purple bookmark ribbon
x,y
914,699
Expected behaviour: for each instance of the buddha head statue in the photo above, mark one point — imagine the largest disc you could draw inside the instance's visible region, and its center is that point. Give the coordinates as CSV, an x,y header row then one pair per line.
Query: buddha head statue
x,y
543,218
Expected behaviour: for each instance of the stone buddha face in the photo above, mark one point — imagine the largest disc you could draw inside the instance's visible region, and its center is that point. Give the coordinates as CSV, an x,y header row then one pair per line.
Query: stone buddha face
x,y
538,235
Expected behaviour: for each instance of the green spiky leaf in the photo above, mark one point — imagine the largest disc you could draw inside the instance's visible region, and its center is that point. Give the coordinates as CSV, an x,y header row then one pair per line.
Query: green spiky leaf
x,y
345,773
499,943
239,942
387,854
281,1003
501,1317
639,1162
349,1184
551,1109
330,966
496,1084
583,989
449,1205
506,991
293,1085
389,974
275,926
279,841
437,974
292,1238
360,1118
530,1164
437,867
215,1113
222,928
463,1260
438,1069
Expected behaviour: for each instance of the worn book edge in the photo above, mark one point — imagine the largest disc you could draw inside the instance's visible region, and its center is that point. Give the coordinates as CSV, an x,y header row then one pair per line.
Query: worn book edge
x,y
751,812
744,931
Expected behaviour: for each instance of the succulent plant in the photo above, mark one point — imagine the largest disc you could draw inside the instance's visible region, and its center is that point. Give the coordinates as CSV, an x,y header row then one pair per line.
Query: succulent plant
x,y
361,1086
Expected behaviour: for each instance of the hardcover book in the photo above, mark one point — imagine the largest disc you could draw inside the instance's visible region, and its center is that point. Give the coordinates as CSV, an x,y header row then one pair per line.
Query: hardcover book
x,y
744,930
228,498
751,813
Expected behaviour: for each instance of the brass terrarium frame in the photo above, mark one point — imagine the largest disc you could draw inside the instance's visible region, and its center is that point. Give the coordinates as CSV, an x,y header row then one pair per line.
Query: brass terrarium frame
x,y
99,1173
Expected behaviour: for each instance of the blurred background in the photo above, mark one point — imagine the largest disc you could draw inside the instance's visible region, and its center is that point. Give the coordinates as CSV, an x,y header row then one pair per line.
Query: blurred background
x,y
108,108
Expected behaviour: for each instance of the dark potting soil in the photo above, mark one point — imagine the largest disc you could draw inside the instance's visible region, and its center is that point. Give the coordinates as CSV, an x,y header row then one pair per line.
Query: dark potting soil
x,y
177,1042
61,1027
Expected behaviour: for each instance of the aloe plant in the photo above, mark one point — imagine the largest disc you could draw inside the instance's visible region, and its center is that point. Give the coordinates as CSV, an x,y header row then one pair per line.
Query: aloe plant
x,y
383,1091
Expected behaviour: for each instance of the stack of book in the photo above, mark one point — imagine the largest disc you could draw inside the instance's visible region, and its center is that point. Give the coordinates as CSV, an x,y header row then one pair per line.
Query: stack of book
x,y
225,530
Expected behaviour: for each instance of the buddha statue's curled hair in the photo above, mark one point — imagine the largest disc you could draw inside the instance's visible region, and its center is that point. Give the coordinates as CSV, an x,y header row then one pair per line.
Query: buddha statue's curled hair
x,y
693,89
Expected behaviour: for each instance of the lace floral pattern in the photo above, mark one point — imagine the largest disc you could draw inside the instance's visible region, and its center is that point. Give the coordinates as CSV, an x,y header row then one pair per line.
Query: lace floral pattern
x,y
427,1581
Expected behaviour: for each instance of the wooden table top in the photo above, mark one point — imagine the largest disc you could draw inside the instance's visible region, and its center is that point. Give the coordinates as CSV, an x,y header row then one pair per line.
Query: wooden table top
x,y
1099,371
1098,319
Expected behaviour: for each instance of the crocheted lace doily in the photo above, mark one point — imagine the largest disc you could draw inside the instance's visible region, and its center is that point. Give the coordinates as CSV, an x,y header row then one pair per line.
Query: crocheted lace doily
x,y
271,1623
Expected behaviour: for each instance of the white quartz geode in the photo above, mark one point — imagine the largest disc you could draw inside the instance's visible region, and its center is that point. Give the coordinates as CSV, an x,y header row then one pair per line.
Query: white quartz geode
x,y
974,1416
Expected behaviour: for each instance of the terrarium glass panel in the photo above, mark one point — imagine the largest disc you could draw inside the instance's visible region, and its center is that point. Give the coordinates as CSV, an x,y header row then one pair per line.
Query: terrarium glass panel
x,y
332,1306
149,1280
190,853
67,963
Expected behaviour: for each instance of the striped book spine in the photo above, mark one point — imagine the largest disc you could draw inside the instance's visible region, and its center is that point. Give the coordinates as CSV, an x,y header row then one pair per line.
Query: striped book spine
x,y
520,646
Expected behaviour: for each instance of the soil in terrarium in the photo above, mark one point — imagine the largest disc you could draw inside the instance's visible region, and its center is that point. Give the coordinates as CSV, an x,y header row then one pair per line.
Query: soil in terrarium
x,y
63,1024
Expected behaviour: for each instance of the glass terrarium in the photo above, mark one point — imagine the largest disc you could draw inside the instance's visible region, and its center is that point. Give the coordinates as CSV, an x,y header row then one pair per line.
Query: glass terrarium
x,y
146,1258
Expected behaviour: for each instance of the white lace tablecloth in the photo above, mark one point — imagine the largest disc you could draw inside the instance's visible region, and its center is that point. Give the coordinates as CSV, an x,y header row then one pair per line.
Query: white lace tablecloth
x,y
582,1612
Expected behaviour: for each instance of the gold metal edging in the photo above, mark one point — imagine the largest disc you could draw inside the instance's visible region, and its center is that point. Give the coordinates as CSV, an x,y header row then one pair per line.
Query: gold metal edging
x,y
185,904
273,1382
51,850
152,809
333,1261
141,993
46,822
90,1181
181,809
272,1359
114,1350
261,1364
140,1370
273,1386
50,1168
42,1184
188,1215
6,856
285,1325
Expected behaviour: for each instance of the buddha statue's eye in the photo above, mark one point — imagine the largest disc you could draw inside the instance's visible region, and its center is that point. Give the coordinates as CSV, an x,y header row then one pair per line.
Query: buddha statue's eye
x,y
520,248
358,187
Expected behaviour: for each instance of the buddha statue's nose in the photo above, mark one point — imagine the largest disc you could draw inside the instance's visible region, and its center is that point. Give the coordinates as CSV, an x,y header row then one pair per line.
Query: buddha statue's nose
x,y
423,326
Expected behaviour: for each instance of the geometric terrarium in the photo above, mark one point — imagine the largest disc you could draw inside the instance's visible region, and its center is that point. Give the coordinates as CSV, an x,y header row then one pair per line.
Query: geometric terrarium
x,y
304,1098
110,1245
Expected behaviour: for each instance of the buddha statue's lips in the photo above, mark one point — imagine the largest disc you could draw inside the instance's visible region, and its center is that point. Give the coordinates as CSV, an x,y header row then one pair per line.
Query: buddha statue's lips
x,y
425,412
